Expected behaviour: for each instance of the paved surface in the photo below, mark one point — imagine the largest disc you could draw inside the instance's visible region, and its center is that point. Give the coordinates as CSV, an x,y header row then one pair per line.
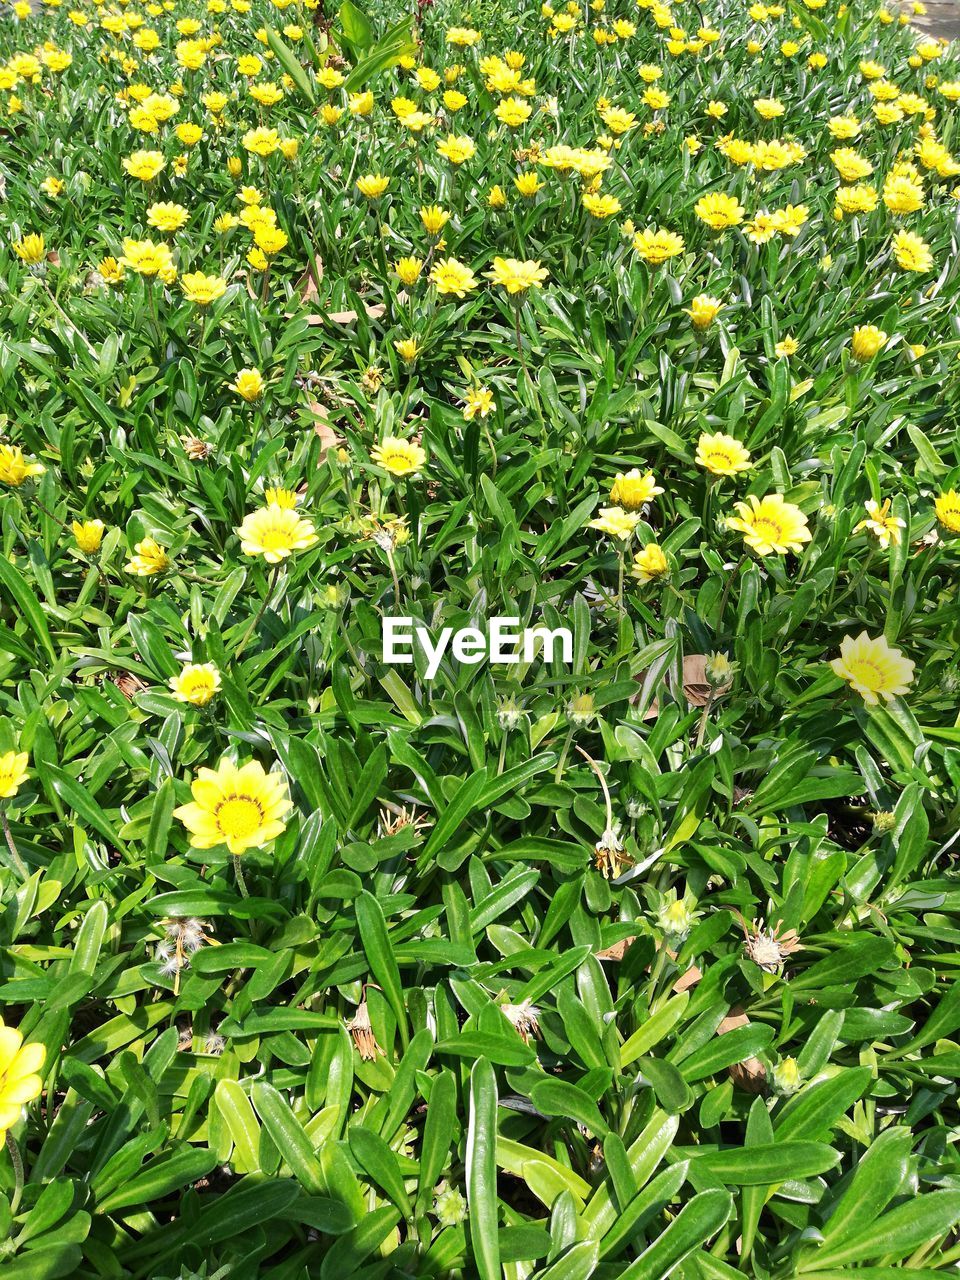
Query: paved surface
x,y
942,19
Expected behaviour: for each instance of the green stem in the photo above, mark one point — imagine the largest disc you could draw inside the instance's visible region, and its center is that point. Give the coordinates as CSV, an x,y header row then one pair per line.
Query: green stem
x,y
260,612
14,1152
240,878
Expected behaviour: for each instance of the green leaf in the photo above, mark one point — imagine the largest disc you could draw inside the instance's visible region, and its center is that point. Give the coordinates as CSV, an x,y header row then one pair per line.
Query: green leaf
x,y
699,1220
289,1136
481,1171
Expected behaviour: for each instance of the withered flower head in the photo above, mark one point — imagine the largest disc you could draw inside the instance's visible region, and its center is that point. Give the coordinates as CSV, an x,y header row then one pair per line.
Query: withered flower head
x,y
360,1028
768,948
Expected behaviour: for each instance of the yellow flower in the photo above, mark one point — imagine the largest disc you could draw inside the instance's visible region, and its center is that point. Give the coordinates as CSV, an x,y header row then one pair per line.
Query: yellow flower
x,y
497,197
513,112
768,108
146,258
787,347
650,563
203,289
456,150
20,1082
408,270
242,807
722,455
615,523
479,403
88,535
372,185
52,187
275,533
398,456
189,134
248,384
528,184
360,104
947,507
634,489
872,668
656,246
166,216
197,683
600,205
719,211
451,276
515,276
434,219
881,523
14,468
867,341
13,774
261,141
144,165
902,194
277,497
912,252
407,349
30,248
269,239
703,310
771,525
150,559
850,164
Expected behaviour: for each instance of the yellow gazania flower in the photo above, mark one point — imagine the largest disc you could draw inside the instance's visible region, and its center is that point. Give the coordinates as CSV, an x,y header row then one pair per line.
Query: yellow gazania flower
x,y
786,347
770,525
912,252
872,668
277,497
372,185
451,276
615,523
261,141
634,489
902,194
30,248
20,1082
275,533
197,683
528,184
14,468
850,164
885,527
52,187
656,246
360,104
479,403
456,149
703,310
242,807
88,535
150,559
144,165
722,455
203,289
408,270
600,205
434,219
867,340
512,112
947,507
248,384
269,239
189,134
454,100
407,349
146,258
719,211
650,563
768,108
516,276
398,456
13,774
167,216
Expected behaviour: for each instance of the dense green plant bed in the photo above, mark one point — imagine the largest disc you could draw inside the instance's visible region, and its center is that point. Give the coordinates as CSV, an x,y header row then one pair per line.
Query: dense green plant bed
x,y
628,960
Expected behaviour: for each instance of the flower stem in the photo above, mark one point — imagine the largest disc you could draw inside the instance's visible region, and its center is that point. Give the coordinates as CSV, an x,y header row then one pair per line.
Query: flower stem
x,y
240,877
260,612
14,1152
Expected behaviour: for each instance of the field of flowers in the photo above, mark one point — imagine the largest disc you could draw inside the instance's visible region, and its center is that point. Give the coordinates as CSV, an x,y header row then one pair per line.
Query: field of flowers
x,y
636,319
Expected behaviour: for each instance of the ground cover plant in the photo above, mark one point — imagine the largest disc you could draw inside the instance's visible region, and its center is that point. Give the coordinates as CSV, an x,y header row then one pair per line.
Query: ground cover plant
x,y
637,319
